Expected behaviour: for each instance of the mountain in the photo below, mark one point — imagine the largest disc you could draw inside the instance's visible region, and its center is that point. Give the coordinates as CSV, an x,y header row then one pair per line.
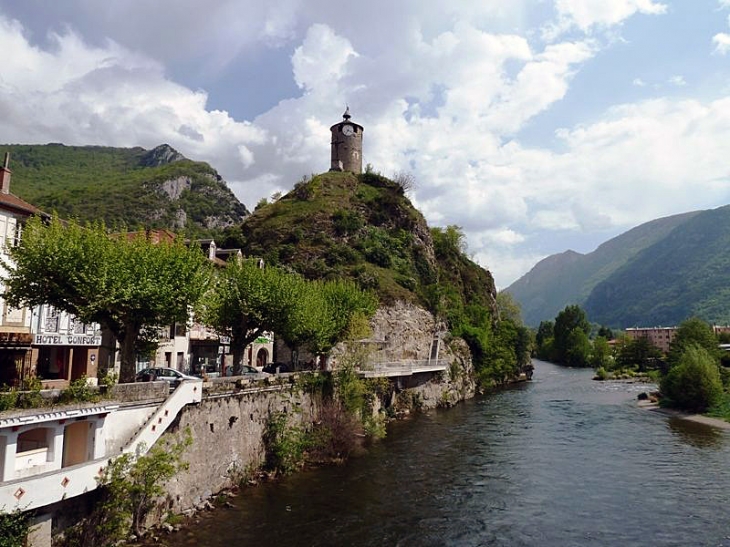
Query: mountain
x,y
363,227
687,273
139,188
570,277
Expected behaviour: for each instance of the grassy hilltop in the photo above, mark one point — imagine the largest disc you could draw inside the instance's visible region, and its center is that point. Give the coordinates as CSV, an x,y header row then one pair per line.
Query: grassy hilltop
x,y
365,228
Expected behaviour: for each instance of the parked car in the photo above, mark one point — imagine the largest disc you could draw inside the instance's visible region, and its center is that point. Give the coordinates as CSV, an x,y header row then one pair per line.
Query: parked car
x,y
248,370
273,368
175,377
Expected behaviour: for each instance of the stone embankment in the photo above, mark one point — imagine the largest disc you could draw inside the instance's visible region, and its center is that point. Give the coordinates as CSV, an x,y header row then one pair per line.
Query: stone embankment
x,y
228,428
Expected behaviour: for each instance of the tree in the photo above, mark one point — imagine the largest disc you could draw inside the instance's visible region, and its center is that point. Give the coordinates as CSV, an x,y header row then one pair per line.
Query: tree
x,y
245,301
509,308
638,352
125,282
605,332
578,349
601,353
568,320
693,332
326,313
544,340
694,384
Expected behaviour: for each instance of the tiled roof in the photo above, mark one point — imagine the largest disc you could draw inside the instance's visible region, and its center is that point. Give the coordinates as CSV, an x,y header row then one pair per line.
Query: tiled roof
x,y
10,201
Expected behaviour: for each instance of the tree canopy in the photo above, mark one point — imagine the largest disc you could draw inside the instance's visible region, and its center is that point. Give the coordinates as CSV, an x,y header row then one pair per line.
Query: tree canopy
x,y
571,319
246,300
692,332
694,384
124,282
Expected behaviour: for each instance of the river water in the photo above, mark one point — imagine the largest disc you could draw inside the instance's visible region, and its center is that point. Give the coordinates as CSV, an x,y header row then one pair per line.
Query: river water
x,y
559,461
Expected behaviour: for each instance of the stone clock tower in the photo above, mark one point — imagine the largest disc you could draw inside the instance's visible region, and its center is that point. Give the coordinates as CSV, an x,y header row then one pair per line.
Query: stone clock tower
x,y
346,145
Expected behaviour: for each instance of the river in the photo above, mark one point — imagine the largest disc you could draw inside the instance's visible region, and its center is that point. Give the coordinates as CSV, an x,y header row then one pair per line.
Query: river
x,y
559,461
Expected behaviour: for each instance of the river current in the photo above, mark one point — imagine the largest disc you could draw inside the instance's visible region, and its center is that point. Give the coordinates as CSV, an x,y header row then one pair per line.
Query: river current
x,y
558,461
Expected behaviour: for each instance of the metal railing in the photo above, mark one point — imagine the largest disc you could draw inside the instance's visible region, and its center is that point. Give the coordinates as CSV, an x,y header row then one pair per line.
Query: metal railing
x,y
404,367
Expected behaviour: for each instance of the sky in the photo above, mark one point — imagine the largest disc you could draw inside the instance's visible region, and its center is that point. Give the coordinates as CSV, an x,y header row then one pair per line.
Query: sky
x,y
537,126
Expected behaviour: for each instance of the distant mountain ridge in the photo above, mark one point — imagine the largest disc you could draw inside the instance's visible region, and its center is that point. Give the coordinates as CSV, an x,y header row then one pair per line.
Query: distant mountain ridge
x,y
687,273
571,277
158,188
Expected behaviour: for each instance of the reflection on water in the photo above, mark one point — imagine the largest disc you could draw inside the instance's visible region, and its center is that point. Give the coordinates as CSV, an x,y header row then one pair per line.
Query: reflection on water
x,y
560,461
697,434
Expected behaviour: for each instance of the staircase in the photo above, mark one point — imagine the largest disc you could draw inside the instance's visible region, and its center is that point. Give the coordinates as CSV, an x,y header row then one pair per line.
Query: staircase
x,y
46,488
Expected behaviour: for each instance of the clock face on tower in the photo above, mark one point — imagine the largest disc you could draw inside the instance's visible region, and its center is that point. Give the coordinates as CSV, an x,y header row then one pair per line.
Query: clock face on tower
x,y
348,130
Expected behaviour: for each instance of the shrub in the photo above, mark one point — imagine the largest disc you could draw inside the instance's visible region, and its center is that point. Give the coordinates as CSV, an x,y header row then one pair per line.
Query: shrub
x,y
285,444
79,391
694,384
601,374
14,528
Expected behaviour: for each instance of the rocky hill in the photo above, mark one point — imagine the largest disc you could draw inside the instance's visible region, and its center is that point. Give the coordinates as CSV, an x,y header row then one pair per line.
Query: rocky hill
x,y
365,228
157,188
570,277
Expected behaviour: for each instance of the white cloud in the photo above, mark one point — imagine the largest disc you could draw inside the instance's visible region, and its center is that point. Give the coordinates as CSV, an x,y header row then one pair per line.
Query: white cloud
x,y
677,80
638,82
722,43
442,96
589,15
322,58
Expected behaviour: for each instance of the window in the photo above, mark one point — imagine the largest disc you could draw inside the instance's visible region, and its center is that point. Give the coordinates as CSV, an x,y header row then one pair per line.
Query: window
x,y
52,319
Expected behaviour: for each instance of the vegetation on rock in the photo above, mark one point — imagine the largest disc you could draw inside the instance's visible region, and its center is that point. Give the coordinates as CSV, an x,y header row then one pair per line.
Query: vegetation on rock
x,y
364,228
131,187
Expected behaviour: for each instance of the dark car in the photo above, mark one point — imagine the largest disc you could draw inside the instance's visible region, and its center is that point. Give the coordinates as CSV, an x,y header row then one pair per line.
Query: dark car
x,y
274,368
175,377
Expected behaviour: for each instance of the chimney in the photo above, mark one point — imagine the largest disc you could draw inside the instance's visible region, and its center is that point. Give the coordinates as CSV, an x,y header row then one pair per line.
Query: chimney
x,y
5,175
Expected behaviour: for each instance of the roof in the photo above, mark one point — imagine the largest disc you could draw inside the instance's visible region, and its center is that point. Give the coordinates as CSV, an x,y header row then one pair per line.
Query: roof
x,y
10,201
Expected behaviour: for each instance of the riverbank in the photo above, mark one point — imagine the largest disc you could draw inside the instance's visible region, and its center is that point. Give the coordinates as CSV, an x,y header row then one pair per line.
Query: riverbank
x,y
697,418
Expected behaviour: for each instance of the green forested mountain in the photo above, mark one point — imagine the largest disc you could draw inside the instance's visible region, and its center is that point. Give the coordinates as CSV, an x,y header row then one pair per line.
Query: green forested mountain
x,y
570,277
687,273
156,188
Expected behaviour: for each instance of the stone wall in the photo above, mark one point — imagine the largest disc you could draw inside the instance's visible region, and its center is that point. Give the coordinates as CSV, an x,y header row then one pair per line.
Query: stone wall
x,y
140,391
228,442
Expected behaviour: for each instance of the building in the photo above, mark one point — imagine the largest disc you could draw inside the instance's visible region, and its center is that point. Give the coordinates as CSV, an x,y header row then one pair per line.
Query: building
x,y
63,348
346,145
15,323
662,337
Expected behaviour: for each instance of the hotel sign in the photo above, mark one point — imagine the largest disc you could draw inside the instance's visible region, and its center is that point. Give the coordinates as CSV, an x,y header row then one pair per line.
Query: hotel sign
x,y
66,340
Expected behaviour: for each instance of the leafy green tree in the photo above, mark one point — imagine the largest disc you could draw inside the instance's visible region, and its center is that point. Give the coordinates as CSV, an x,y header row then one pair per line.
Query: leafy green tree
x,y
567,321
125,282
245,300
694,383
326,313
605,332
578,349
449,241
601,354
693,332
638,352
509,308
544,340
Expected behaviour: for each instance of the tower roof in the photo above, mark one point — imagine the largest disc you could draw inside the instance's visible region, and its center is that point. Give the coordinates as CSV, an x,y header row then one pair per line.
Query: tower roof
x,y
346,115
